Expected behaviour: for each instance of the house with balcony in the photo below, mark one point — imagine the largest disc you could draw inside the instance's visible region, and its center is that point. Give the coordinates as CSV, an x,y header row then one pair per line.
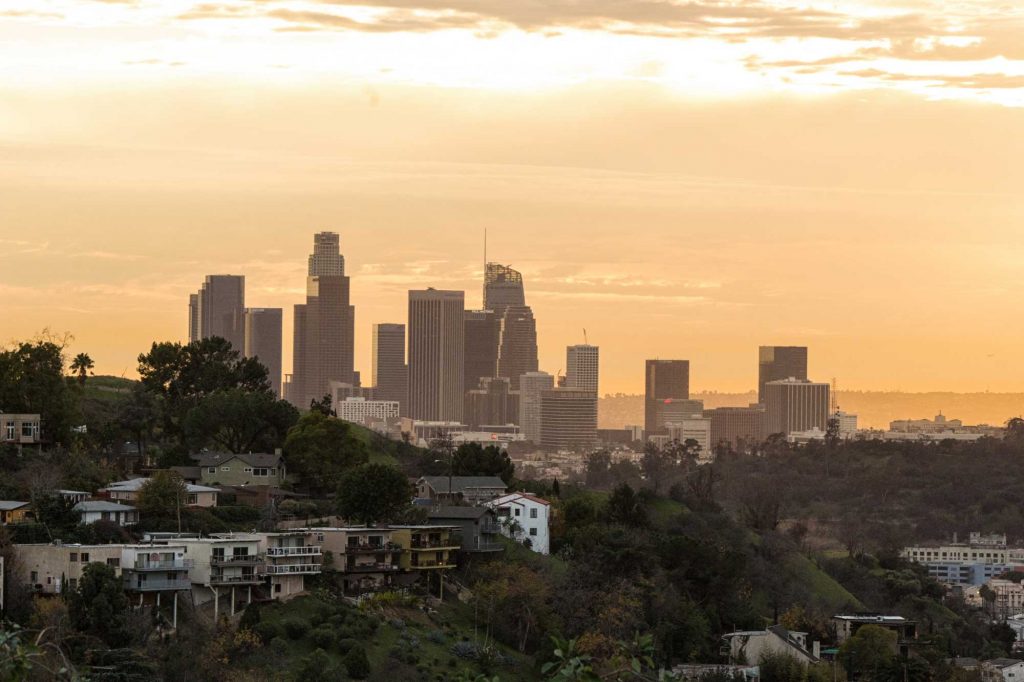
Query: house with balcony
x,y
127,492
20,429
525,518
13,511
290,556
460,489
478,527
150,573
367,559
225,568
426,548
219,468
91,511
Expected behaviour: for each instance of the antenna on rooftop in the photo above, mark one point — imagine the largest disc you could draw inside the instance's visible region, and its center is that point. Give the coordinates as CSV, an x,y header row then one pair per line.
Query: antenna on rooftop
x,y
585,342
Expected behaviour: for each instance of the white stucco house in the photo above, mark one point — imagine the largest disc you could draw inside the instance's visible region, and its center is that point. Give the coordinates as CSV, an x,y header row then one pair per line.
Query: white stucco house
x,y
525,518
91,511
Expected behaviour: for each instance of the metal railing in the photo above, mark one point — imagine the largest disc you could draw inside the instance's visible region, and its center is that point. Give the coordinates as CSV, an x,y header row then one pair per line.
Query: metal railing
x,y
441,544
151,585
168,565
286,569
245,578
304,550
432,564
370,568
236,560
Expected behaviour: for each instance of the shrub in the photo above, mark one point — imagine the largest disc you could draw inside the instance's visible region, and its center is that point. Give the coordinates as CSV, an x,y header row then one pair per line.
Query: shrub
x,y
279,647
437,636
323,637
295,628
466,650
250,618
267,631
346,644
356,663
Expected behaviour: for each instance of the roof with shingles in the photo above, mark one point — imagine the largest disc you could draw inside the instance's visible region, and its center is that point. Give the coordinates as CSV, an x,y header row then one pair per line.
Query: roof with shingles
x,y
256,459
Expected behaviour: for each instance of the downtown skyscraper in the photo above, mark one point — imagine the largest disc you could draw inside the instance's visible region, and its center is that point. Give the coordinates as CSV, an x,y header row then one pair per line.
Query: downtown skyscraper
x,y
581,367
263,331
436,355
665,381
504,294
324,333
776,363
390,371
218,309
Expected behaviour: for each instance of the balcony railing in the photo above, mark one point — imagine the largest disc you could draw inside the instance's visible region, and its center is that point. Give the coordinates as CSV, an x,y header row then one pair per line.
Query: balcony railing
x,y
490,528
434,544
236,560
486,547
370,549
432,564
168,565
156,585
286,569
243,579
370,568
304,550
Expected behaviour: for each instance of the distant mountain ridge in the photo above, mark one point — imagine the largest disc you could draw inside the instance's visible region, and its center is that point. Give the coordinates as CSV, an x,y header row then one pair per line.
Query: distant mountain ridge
x,y
874,409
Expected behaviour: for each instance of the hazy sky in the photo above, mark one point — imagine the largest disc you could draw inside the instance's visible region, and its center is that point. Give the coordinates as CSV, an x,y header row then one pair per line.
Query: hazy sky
x,y
683,179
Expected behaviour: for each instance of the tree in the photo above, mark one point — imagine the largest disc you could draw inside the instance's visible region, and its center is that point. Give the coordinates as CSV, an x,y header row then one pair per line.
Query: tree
x,y
324,406
626,507
473,459
1014,430
239,421
373,493
99,606
868,652
138,415
320,449
32,381
163,495
182,375
82,364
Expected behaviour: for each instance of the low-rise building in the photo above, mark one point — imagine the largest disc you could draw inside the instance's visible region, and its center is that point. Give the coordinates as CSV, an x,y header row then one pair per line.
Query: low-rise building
x,y
128,492
525,518
1007,598
846,625
953,560
1002,670
13,511
456,489
91,511
290,556
747,647
478,527
20,429
218,468
367,558
427,548
224,567
360,410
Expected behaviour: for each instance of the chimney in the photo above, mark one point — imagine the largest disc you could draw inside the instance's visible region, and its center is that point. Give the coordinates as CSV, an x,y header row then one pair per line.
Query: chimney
x,y
816,649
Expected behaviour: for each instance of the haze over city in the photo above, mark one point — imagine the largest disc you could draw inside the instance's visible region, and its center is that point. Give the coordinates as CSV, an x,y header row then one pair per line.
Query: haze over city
x,y
682,181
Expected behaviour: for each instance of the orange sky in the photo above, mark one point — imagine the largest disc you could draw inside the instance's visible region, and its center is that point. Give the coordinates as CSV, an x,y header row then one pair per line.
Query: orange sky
x,y
683,180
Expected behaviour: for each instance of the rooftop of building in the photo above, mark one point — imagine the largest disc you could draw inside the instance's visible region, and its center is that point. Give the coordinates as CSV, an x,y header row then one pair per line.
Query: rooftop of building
x,y
256,459
101,506
11,505
463,483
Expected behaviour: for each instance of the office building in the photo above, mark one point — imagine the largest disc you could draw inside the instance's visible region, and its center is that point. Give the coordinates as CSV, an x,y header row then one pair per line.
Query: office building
x,y
568,419
531,386
740,427
796,405
390,372
363,411
436,355
693,428
324,343
517,352
581,367
493,403
218,309
482,332
776,363
664,380
503,287
671,411
263,330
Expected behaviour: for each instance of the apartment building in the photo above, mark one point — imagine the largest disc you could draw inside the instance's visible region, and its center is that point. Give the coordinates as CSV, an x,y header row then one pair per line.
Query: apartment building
x,y
290,557
223,568
368,559
427,548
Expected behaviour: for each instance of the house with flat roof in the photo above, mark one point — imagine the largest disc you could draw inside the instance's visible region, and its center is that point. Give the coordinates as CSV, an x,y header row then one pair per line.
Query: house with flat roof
x,y
226,568
220,468
291,555
846,626
128,492
20,429
747,647
367,559
91,511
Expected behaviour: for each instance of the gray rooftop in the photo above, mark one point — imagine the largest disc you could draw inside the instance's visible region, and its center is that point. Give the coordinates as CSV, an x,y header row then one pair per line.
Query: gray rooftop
x,y
256,459
459,512
101,506
10,505
462,483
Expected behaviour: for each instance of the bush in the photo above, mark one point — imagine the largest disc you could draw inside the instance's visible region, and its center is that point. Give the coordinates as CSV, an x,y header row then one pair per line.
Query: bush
x,y
250,618
316,668
466,650
295,628
279,647
323,637
356,663
268,631
346,644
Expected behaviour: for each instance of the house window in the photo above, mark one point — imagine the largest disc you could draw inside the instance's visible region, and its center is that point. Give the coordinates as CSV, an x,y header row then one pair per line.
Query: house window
x,y
10,431
225,468
33,577
28,430
114,563
73,556
218,552
85,557
247,470
261,471
211,470
533,531
533,513
273,471
192,499
518,512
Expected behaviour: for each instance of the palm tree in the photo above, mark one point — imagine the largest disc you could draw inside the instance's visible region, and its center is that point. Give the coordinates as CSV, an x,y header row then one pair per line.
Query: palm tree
x,y
82,364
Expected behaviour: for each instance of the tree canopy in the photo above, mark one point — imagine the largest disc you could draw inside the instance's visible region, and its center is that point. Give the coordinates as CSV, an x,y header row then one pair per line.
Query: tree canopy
x,y
320,449
374,493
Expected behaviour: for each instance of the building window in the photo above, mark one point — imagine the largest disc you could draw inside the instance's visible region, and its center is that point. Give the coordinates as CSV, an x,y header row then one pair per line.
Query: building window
x,y
533,513
85,557
114,563
73,584
533,531
517,511
10,431
225,468
73,556
33,577
247,470
260,471
273,471
211,470
192,499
